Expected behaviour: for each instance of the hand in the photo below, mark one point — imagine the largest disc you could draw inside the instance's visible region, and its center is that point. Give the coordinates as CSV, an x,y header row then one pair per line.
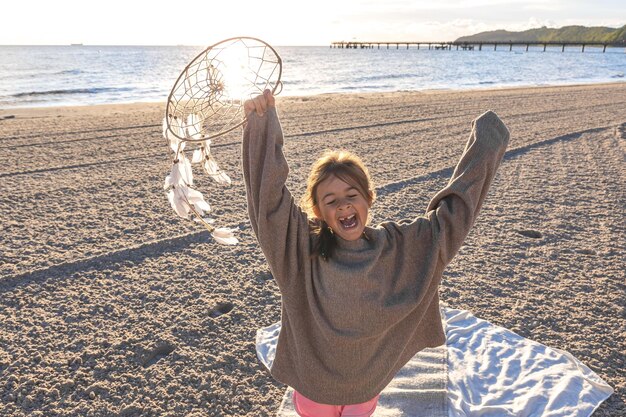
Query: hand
x,y
260,103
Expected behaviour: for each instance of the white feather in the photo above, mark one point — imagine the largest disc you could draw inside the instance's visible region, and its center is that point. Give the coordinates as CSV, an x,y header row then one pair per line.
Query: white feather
x,y
211,168
197,156
168,182
207,146
225,236
203,206
195,197
174,141
177,201
175,175
185,169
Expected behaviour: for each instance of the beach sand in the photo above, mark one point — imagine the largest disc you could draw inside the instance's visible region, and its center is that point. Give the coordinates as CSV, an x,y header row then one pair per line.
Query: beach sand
x,y
112,305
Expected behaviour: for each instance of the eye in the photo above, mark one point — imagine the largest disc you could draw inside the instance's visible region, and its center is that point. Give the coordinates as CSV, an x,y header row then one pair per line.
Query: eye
x,y
353,196
330,203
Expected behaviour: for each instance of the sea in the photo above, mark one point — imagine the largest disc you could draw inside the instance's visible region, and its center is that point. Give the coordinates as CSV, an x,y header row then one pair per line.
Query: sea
x,y
36,76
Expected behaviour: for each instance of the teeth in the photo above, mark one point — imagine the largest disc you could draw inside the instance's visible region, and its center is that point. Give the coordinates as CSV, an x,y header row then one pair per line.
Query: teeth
x,y
346,218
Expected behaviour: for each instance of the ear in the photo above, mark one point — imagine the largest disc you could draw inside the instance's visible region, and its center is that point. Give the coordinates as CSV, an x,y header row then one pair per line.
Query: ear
x,y
317,212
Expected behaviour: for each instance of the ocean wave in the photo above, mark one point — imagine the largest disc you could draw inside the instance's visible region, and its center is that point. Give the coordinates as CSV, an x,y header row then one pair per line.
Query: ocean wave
x,y
69,72
30,74
71,91
382,77
366,87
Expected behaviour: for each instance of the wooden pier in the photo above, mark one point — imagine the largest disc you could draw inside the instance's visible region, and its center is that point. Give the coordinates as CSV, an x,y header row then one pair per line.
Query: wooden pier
x,y
470,46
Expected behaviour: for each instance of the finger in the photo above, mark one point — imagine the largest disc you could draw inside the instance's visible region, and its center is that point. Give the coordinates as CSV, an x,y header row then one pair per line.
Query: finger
x,y
263,104
259,103
269,98
248,106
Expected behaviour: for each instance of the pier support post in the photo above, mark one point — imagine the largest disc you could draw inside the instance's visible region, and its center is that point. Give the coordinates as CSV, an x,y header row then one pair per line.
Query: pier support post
x,y
495,46
480,46
510,47
563,48
526,47
544,47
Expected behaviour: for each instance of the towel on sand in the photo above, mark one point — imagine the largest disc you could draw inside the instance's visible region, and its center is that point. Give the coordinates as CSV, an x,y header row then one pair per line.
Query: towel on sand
x,y
494,372
483,370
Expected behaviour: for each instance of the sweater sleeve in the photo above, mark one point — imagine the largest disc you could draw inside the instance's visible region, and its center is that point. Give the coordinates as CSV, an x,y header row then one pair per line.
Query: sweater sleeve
x,y
454,209
278,222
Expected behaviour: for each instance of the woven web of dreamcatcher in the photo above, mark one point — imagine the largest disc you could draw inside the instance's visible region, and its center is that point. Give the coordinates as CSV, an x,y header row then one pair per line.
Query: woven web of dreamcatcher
x,y
207,99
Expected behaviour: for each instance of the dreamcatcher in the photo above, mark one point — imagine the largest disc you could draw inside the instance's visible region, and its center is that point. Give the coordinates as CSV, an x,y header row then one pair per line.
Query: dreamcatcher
x,y
206,102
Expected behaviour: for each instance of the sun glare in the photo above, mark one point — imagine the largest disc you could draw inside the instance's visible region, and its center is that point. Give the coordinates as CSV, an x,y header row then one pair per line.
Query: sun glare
x,y
236,71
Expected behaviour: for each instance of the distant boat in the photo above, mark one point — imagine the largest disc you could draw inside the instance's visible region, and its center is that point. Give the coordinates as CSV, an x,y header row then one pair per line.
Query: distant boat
x,y
76,44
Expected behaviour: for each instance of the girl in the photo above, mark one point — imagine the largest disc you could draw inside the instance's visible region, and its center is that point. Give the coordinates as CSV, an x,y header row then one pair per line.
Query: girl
x,y
358,302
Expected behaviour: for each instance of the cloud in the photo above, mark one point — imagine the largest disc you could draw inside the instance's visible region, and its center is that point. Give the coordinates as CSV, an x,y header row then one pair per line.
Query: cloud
x,y
447,5
542,6
531,23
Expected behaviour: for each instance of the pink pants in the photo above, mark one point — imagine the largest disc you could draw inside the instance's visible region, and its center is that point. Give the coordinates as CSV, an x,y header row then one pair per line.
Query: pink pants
x,y
309,408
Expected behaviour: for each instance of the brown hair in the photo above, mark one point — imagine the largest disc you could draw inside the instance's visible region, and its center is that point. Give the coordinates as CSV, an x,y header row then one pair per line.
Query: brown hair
x,y
348,168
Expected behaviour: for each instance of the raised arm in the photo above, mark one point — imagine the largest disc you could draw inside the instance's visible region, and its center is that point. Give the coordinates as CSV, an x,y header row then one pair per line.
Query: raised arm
x,y
454,209
279,224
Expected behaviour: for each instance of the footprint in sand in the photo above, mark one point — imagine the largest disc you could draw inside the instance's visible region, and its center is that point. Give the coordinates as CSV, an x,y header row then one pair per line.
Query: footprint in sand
x,y
530,233
159,352
221,309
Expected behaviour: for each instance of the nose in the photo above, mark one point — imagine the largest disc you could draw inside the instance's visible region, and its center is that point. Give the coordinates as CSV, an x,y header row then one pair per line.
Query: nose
x,y
344,204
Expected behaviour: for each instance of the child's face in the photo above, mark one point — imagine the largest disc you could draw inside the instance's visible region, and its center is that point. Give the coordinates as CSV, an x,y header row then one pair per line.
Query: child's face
x,y
342,207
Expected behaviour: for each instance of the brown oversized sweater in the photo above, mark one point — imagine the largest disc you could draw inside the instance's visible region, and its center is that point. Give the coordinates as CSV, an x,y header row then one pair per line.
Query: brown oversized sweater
x,y
350,323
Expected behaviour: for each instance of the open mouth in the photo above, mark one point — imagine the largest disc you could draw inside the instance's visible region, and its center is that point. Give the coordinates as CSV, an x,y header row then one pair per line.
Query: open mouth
x,y
348,222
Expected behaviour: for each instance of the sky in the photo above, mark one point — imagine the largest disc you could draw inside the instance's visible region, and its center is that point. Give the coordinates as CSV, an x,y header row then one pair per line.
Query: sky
x,y
285,22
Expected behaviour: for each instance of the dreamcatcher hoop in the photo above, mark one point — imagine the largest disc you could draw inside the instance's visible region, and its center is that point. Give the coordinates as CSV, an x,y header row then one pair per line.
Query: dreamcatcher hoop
x,y
208,96
207,102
